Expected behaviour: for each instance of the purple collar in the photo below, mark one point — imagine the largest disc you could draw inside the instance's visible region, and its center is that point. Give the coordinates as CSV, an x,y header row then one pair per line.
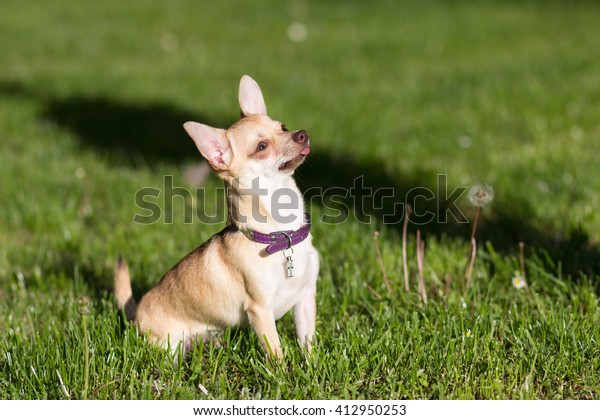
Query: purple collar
x,y
282,239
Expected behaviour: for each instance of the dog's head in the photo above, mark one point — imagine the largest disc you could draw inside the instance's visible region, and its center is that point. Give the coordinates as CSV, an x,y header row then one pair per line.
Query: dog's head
x,y
254,146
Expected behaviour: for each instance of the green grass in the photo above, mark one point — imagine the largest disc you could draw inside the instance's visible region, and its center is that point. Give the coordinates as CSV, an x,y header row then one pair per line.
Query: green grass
x,y
92,99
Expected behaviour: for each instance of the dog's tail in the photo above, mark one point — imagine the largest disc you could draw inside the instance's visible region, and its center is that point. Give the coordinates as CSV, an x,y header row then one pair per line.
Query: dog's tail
x,y
123,293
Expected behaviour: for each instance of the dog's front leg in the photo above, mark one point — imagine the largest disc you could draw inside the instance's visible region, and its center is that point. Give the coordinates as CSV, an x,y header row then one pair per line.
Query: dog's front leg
x,y
305,314
263,322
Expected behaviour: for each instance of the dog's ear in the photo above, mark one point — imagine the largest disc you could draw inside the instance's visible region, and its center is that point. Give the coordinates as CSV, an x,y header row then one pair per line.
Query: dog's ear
x,y
251,98
212,143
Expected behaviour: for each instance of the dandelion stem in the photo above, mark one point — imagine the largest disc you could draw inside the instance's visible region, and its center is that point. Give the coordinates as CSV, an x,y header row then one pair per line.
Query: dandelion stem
x,y
448,280
473,231
420,256
424,291
380,259
475,219
471,262
479,196
404,259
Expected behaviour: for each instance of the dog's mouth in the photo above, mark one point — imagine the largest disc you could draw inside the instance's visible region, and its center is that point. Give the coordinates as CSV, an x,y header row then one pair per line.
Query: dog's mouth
x,y
295,162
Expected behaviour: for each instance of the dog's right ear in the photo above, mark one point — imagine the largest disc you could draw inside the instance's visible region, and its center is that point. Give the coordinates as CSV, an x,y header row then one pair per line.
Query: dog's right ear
x,y
212,143
251,98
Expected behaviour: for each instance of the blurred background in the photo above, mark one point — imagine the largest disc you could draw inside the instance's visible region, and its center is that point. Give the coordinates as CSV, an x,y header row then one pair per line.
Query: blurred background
x,y
93,96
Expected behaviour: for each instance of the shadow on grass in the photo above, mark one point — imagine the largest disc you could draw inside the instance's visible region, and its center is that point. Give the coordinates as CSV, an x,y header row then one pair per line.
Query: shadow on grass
x,y
504,225
136,134
131,134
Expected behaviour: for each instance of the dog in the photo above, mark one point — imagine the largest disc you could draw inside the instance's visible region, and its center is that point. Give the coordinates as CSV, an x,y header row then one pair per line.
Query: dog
x,y
262,264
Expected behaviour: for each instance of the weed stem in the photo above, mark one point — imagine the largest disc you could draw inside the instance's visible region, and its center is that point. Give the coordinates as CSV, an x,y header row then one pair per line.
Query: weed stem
x,y
420,257
404,258
380,260
473,250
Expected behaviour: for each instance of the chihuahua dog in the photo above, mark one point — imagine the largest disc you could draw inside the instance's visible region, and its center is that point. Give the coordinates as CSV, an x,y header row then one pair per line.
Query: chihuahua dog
x,y
261,264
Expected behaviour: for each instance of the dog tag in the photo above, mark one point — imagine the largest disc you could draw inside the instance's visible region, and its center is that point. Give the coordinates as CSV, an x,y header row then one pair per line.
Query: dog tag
x,y
289,262
290,266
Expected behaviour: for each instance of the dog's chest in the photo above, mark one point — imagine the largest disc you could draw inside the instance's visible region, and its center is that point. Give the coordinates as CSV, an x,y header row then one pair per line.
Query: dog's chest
x,y
283,290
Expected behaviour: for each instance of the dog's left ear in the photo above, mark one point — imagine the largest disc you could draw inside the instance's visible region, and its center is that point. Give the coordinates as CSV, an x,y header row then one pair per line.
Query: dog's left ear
x,y
251,98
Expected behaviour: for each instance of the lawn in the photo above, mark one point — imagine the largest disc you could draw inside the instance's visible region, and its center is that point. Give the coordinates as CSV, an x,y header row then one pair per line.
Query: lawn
x,y
407,97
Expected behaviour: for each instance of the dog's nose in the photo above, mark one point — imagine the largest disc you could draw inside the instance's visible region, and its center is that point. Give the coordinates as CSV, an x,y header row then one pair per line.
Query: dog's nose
x,y
300,137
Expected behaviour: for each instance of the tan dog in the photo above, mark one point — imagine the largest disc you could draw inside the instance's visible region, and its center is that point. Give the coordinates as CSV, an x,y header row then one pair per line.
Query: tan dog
x,y
257,268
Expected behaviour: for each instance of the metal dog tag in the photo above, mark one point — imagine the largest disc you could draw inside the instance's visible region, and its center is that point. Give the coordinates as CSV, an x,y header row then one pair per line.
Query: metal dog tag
x,y
289,263
290,266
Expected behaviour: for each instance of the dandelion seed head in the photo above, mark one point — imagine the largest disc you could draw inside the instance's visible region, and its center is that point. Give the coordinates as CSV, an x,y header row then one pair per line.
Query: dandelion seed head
x,y
79,173
169,42
480,195
83,307
297,32
576,132
465,142
543,186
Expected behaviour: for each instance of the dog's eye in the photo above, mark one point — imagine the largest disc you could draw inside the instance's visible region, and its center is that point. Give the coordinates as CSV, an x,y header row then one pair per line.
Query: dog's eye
x,y
261,146
284,128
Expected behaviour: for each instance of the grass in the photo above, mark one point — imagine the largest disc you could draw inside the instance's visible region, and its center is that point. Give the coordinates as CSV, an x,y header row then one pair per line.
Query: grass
x,y
497,92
